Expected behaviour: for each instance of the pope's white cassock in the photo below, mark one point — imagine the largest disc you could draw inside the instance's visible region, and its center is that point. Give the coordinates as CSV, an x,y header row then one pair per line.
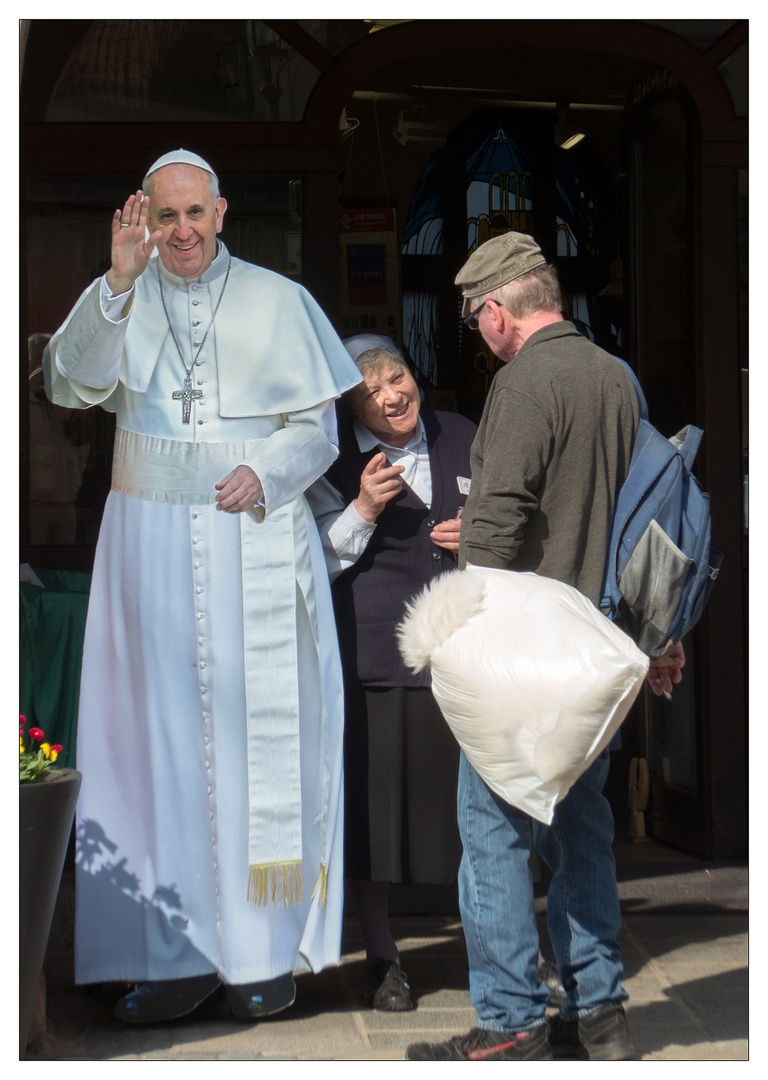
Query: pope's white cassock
x,y
209,833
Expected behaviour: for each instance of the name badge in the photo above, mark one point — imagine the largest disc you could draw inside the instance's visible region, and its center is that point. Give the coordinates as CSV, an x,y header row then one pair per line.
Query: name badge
x,y
464,484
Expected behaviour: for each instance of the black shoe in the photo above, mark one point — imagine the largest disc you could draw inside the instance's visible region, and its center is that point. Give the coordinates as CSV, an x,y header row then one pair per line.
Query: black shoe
x,y
157,1002
602,1035
550,976
386,987
254,1001
483,1045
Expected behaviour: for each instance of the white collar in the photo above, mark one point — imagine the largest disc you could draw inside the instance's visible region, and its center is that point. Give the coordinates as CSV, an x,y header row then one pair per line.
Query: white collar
x,y
215,270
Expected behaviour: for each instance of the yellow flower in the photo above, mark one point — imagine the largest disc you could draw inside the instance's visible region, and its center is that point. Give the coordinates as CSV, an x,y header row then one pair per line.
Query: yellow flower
x,y
21,745
46,748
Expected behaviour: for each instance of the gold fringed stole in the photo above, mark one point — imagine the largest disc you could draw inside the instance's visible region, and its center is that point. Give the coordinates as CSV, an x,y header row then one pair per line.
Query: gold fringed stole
x,y
281,883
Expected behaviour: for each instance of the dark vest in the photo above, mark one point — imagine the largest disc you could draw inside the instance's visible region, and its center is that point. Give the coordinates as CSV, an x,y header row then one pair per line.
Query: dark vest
x,y
369,598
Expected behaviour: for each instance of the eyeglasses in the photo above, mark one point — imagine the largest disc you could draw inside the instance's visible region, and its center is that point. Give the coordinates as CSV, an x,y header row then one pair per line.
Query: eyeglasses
x,y
471,321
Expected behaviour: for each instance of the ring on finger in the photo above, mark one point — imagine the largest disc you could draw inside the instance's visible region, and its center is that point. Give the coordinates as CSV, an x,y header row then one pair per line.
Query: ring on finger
x,y
125,224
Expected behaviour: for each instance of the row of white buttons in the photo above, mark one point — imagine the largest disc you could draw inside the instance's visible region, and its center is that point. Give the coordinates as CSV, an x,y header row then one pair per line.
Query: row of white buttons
x,y
195,345
201,664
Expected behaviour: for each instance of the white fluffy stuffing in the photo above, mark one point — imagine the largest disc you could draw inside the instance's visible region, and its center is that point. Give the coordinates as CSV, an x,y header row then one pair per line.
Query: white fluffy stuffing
x,y
436,612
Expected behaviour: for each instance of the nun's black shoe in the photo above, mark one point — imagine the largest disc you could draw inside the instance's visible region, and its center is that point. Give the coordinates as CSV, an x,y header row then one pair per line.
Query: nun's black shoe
x,y
385,987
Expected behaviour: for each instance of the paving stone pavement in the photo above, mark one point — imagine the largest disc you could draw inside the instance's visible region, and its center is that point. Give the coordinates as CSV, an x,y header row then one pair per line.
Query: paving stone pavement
x,y
686,956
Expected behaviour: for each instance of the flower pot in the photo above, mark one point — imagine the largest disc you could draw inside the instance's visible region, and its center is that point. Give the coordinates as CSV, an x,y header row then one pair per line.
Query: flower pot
x,y
46,813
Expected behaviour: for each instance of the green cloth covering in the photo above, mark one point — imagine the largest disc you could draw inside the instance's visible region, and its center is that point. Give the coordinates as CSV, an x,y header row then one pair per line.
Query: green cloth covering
x,y
52,626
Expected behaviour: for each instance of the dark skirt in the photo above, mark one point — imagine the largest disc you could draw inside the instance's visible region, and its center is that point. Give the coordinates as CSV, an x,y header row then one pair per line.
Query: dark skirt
x,y
401,766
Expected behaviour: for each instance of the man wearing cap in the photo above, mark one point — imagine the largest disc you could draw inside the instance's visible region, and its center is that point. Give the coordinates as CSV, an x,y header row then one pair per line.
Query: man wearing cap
x,y
210,727
550,455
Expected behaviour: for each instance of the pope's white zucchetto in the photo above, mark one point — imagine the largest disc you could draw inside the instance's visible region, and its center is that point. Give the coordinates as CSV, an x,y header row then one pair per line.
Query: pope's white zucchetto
x,y
180,157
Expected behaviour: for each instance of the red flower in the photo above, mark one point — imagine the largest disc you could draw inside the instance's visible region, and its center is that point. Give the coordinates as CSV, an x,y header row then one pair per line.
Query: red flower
x,y
36,733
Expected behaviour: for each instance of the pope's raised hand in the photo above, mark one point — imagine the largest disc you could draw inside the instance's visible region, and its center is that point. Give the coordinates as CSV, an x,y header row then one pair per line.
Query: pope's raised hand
x,y
131,250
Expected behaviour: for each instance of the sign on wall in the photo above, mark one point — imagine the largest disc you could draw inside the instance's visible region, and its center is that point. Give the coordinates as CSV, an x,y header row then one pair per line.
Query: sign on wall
x,y
370,278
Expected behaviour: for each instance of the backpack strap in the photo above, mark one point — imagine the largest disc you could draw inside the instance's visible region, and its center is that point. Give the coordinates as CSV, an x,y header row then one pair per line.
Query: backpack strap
x,y
638,388
687,442
611,596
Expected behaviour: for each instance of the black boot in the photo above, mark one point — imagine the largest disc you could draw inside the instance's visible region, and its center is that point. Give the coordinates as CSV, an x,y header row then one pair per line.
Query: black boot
x,y
602,1035
483,1045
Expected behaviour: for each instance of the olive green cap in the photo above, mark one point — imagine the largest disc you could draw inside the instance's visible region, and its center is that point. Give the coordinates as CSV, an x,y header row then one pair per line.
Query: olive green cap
x,y
496,262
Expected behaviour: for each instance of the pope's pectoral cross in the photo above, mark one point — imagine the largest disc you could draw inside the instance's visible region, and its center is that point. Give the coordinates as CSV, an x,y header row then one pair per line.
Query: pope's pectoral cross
x,y
186,395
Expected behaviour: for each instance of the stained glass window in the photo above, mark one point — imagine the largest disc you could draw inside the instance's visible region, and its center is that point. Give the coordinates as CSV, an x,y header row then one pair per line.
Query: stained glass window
x,y
499,189
513,178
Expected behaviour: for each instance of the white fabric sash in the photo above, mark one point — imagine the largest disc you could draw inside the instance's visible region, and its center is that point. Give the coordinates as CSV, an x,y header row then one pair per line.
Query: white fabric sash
x,y
185,473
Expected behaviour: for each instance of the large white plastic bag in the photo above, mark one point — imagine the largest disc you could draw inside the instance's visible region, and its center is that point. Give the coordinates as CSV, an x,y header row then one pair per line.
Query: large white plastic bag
x,y
531,678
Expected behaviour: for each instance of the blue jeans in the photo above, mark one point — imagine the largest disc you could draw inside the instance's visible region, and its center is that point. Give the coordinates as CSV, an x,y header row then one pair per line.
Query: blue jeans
x,y
497,902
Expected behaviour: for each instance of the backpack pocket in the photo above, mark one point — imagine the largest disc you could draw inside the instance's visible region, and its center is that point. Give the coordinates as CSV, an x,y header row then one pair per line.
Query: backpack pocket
x,y
652,585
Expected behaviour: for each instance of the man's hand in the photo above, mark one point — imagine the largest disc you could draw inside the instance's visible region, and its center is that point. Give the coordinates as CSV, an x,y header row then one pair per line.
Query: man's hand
x,y
240,491
379,484
446,534
131,250
667,671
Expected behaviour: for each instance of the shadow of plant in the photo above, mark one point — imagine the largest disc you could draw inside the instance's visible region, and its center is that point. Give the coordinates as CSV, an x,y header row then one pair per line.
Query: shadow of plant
x,y
109,897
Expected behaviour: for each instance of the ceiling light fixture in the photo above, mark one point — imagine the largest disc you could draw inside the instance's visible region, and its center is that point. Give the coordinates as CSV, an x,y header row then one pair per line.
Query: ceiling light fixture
x,y
567,133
